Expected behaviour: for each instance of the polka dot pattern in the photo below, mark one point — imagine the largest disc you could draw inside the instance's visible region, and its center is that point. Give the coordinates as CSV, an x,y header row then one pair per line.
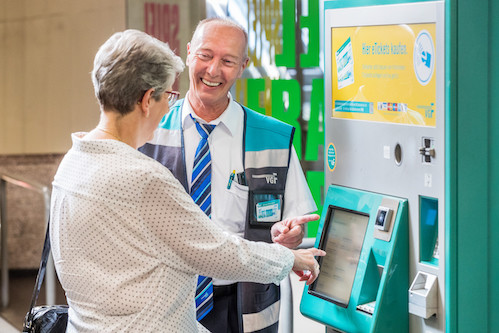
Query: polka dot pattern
x,y
128,243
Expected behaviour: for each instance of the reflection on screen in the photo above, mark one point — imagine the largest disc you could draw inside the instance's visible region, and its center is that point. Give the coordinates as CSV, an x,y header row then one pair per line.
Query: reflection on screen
x,y
342,239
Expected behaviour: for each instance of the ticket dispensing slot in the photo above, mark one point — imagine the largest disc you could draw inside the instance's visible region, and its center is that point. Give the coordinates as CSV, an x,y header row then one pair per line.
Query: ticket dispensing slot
x,y
423,295
364,276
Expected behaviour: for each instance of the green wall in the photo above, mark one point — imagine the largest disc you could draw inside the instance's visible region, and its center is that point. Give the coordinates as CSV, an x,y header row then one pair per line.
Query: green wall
x,y
473,225
493,259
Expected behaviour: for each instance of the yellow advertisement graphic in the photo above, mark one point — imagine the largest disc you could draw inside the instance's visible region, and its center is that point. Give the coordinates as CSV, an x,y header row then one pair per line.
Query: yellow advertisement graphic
x,y
384,73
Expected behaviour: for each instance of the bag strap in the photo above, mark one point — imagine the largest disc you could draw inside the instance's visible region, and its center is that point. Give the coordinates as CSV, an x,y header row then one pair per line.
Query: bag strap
x,y
40,276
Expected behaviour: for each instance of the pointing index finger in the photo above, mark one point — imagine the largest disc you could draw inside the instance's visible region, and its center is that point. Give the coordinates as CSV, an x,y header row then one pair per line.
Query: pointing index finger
x,y
305,219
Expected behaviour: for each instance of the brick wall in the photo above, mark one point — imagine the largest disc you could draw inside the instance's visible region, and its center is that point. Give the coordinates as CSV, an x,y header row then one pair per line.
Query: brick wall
x,y
25,208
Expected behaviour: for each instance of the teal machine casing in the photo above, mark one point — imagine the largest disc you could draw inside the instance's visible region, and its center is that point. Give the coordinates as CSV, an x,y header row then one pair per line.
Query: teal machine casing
x,y
386,137
452,210
381,273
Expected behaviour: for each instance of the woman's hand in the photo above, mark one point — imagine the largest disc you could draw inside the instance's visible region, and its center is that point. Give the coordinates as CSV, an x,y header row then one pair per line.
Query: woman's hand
x,y
305,266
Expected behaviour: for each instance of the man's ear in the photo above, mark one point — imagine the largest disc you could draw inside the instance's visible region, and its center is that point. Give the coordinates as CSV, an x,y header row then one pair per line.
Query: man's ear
x,y
188,54
243,67
245,63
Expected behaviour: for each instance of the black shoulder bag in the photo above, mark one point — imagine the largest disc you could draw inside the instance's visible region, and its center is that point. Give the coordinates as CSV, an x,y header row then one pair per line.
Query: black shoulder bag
x,y
45,318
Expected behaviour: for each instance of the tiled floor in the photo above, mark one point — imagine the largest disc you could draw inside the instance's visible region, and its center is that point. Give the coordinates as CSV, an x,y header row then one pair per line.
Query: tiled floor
x,y
21,285
6,327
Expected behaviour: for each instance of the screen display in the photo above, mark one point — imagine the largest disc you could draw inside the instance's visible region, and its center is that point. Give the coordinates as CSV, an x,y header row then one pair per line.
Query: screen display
x,y
385,73
342,238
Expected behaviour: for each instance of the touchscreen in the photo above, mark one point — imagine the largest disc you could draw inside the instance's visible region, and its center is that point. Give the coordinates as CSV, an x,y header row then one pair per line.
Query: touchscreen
x,y
342,238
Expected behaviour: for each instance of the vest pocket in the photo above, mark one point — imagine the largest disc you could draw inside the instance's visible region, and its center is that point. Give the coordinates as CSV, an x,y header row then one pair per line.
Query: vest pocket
x,y
239,191
231,209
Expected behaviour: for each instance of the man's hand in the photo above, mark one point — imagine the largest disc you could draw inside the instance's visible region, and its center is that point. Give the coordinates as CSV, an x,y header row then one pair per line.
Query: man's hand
x,y
290,232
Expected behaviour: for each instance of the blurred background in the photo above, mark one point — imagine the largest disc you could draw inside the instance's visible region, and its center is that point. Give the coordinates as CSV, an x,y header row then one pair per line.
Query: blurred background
x,y
46,56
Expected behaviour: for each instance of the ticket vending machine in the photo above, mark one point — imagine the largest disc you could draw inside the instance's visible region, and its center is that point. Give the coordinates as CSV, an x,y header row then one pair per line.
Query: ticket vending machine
x,y
365,237
385,139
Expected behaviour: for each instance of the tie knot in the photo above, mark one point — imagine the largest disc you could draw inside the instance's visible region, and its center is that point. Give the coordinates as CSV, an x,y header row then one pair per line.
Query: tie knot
x,y
204,129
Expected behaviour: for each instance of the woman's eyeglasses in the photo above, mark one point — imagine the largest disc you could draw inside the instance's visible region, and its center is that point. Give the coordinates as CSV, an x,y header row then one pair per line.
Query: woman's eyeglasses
x,y
172,97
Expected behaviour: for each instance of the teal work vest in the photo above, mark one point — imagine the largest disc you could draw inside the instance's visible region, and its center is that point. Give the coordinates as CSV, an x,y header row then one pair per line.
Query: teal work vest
x,y
266,148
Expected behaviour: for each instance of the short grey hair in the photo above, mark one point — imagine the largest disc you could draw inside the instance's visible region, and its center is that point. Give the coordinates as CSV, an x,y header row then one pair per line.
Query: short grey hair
x,y
127,65
228,22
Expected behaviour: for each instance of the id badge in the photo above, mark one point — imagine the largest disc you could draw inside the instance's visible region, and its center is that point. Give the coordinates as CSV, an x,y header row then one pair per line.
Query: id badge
x,y
267,208
268,211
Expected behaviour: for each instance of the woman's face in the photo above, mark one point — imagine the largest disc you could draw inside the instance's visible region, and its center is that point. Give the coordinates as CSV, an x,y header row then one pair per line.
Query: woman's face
x,y
158,110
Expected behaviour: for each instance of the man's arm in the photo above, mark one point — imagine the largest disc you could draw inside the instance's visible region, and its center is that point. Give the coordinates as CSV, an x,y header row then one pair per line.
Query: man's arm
x,y
290,232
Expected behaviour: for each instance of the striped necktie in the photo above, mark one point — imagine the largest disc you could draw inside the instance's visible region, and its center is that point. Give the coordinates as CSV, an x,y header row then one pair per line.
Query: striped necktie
x,y
201,194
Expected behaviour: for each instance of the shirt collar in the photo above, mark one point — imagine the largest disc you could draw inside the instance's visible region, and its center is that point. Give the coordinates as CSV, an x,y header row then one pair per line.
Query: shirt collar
x,y
229,119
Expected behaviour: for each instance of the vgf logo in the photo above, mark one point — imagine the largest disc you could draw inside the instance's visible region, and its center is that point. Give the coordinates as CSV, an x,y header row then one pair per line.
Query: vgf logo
x,y
424,57
269,178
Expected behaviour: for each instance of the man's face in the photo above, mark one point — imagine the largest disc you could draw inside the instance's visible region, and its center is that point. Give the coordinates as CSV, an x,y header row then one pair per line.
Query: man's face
x,y
215,59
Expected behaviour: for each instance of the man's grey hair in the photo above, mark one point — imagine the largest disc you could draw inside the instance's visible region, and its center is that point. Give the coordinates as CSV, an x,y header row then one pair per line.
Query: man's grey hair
x,y
127,65
222,21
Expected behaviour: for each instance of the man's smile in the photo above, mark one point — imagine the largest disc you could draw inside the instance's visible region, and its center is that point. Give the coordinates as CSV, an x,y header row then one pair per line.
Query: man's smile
x,y
210,84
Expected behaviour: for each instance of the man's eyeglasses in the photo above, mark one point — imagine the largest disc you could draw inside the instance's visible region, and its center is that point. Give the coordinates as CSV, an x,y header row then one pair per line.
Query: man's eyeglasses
x,y
172,97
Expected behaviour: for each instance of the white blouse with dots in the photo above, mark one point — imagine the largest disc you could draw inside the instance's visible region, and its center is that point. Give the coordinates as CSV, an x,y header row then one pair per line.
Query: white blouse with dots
x,y
128,241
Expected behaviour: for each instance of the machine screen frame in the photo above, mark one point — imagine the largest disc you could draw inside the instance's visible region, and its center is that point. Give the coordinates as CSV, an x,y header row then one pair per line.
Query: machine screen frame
x,y
323,245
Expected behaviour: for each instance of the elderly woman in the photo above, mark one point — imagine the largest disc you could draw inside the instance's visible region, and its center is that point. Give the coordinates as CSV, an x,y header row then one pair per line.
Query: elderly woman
x,y
127,240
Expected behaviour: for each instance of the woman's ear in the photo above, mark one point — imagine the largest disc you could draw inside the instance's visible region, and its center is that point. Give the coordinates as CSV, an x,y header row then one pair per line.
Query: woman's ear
x,y
145,103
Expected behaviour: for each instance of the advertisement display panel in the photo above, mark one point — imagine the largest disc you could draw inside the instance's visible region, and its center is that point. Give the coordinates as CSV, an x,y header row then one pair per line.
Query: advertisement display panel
x,y
384,73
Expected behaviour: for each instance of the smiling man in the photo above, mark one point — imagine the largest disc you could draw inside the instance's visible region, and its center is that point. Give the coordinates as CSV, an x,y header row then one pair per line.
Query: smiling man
x,y
255,184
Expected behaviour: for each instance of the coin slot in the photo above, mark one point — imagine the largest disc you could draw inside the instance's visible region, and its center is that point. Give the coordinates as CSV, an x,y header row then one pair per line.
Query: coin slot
x,y
398,154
